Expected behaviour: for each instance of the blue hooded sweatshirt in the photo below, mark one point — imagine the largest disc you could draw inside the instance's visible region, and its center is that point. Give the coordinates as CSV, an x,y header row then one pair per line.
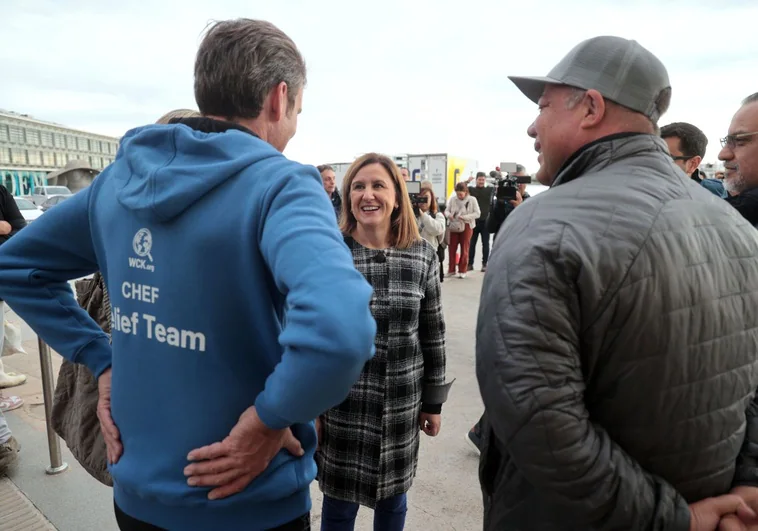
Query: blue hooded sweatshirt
x,y
230,285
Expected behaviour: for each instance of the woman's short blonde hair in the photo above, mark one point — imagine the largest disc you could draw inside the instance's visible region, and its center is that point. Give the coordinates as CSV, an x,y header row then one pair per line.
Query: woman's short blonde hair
x,y
178,113
404,229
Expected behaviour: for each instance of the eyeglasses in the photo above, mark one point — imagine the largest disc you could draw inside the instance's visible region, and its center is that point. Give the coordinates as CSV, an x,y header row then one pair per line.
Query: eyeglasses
x,y
730,141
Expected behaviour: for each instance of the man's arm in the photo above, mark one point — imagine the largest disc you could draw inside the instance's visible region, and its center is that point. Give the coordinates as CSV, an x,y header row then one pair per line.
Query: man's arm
x,y
531,380
329,331
35,267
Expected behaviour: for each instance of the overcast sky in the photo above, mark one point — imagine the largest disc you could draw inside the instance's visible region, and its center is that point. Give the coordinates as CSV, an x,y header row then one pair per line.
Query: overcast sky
x,y
397,77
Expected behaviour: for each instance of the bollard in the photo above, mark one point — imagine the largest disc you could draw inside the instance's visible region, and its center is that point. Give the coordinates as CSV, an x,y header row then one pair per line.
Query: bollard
x,y
53,443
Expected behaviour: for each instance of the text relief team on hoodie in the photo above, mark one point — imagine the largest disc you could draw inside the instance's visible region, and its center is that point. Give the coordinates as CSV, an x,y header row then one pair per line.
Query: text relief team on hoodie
x,y
231,286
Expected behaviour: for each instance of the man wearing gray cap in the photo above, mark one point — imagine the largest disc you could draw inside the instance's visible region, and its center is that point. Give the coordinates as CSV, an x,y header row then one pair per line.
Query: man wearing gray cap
x,y
616,338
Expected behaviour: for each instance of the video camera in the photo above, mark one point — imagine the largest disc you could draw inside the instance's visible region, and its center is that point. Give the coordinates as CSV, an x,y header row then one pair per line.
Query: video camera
x,y
414,192
507,185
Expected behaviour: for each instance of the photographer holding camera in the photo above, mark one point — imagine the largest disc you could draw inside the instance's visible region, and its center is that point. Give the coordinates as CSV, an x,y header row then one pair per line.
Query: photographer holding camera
x,y
510,193
431,222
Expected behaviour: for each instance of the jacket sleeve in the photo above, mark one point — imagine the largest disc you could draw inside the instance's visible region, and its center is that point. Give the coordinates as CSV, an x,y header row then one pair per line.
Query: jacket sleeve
x,y
329,331
530,375
35,267
431,331
746,473
433,225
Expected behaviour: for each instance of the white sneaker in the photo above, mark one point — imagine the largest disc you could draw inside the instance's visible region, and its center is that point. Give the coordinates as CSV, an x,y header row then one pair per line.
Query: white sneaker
x,y
462,275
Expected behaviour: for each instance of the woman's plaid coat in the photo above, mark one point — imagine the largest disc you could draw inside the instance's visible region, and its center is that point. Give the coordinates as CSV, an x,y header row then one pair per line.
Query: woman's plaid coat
x,y
369,447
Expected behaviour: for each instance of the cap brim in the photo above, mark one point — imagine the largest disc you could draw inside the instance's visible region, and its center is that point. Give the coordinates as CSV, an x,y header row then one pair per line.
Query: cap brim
x,y
533,87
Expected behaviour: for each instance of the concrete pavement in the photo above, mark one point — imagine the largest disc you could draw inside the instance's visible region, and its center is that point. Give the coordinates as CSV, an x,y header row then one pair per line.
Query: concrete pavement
x,y
445,495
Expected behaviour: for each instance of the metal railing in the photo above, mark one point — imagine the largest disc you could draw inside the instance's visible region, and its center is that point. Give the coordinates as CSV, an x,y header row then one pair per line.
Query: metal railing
x,y
57,465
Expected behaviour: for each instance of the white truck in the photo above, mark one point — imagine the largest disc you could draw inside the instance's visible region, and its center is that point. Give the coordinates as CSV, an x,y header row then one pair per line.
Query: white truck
x,y
443,170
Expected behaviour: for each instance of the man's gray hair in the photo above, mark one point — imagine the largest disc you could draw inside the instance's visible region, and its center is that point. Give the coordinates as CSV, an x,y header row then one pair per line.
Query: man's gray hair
x,y
662,103
238,64
575,96
750,99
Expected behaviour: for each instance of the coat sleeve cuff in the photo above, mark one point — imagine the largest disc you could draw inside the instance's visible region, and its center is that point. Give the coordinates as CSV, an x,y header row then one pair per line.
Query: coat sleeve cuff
x,y
432,409
96,355
435,393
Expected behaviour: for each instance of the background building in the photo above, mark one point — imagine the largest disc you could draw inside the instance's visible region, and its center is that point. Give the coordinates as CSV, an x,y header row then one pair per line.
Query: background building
x,y
30,149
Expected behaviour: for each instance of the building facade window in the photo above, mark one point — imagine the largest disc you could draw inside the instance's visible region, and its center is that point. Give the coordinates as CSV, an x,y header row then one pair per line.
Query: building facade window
x,y
3,133
61,159
48,158
18,156
83,144
5,155
32,137
46,138
16,134
71,142
60,140
34,157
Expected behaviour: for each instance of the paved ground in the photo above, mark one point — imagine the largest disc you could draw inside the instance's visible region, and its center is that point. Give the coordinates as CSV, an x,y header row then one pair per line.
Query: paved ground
x,y
445,495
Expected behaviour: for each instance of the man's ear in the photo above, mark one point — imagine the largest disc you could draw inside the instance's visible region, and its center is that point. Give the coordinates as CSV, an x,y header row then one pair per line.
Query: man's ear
x,y
693,164
278,101
594,106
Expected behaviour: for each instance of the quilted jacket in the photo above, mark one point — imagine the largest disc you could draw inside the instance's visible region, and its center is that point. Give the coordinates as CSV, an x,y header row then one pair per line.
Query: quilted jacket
x,y
617,348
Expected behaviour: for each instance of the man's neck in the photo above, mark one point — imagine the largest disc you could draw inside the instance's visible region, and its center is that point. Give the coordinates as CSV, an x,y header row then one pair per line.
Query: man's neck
x,y
253,124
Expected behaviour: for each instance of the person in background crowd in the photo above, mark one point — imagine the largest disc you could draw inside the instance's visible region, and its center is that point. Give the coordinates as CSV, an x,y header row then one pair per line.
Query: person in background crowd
x,y
483,195
242,457
431,222
740,155
369,444
328,177
615,355
462,211
443,241
176,115
687,145
404,174
11,222
719,175
500,209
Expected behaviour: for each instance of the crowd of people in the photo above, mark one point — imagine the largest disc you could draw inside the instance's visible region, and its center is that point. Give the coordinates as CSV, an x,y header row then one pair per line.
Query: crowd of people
x,y
616,342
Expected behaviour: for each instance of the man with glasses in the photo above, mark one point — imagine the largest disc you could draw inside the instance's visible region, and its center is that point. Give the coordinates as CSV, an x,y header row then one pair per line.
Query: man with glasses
x,y
687,146
740,156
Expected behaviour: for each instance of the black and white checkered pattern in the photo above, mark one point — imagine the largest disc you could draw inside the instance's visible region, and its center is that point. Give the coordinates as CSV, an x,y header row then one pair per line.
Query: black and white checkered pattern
x,y
369,449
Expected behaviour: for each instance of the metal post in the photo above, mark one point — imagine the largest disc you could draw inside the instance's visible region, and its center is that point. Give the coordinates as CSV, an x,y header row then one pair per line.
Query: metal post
x,y
54,446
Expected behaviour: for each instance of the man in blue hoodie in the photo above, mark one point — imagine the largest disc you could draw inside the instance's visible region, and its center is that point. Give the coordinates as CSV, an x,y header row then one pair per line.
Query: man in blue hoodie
x,y
237,314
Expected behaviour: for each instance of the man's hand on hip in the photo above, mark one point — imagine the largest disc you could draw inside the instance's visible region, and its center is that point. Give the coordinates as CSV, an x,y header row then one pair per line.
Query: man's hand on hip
x,y
111,436
734,523
706,514
232,464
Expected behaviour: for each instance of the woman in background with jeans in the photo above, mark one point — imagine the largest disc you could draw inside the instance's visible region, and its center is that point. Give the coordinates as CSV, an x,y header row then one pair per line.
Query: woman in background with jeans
x,y
462,211
368,449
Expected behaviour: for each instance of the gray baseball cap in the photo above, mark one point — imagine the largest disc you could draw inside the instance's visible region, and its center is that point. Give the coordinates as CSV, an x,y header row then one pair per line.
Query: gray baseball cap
x,y
621,70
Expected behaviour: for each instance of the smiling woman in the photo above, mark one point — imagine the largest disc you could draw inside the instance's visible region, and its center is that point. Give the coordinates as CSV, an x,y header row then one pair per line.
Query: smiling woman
x,y
376,209
369,443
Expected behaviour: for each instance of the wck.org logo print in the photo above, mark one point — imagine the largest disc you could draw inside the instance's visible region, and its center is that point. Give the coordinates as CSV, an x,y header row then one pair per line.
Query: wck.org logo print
x,y
142,245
